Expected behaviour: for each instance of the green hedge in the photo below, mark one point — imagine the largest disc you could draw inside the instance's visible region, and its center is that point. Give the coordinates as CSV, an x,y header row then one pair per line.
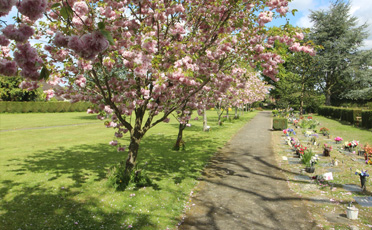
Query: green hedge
x,y
367,119
280,123
42,107
346,114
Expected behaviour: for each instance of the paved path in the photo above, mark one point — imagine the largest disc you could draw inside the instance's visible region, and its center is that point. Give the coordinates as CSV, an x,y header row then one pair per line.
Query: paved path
x,y
243,188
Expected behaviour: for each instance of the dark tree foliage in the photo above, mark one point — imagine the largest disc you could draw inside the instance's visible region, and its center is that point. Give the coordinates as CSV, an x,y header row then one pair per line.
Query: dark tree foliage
x,y
342,66
9,90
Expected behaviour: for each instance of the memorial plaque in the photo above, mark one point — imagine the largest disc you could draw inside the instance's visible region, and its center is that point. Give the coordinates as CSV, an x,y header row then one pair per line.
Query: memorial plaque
x,y
352,188
325,165
292,161
302,177
361,160
364,201
319,200
345,152
334,170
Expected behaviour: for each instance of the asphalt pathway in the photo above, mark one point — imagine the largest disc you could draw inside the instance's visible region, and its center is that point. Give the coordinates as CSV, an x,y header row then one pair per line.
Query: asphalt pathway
x,y
243,188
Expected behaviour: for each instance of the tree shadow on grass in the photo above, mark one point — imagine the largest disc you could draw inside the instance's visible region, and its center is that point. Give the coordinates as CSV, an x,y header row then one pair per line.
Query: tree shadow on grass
x,y
87,117
38,208
78,162
53,207
83,161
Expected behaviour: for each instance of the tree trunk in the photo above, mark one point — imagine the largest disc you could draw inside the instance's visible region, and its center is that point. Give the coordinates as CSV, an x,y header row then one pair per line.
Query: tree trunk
x,y
135,140
328,98
180,143
205,125
236,113
227,113
219,117
302,98
136,136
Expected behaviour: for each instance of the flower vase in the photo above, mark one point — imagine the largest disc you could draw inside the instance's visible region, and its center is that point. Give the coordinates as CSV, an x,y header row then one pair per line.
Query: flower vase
x,y
363,182
326,153
310,169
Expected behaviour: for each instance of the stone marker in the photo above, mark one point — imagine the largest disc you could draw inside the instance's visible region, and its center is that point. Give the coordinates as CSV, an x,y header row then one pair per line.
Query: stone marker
x,y
352,188
364,201
302,177
334,170
293,161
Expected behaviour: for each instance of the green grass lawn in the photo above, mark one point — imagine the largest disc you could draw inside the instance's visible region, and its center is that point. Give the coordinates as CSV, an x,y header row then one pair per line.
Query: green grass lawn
x,y
54,177
344,130
10,121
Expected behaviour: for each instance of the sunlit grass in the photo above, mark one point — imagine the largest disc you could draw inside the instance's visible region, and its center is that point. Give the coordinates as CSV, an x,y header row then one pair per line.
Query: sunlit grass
x,y
9,121
54,178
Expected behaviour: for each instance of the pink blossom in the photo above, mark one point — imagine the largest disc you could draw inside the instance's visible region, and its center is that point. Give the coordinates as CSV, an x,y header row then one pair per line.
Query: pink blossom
x,y
33,9
60,40
108,109
81,8
114,143
6,6
100,117
265,17
21,34
49,94
54,80
28,85
4,41
121,149
80,81
118,135
28,59
8,68
89,45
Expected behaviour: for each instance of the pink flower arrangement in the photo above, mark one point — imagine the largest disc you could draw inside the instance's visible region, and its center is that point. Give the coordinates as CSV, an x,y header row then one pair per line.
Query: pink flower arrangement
x,y
338,139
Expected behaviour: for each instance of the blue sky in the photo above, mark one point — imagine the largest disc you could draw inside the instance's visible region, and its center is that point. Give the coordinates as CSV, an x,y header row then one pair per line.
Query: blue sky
x,y
362,9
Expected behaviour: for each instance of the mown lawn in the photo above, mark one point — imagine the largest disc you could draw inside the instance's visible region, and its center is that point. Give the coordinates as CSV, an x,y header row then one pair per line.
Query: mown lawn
x,y
327,201
53,172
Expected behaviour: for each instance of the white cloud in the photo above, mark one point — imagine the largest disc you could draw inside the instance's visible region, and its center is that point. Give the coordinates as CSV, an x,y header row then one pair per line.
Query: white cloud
x,y
362,10
367,44
359,8
304,22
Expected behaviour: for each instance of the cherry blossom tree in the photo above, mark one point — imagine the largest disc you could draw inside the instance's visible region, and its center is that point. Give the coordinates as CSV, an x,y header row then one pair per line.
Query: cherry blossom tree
x,y
139,57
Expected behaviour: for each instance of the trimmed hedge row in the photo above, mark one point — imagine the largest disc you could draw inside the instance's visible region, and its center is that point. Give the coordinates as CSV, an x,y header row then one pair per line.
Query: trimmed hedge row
x,y
346,114
42,107
367,119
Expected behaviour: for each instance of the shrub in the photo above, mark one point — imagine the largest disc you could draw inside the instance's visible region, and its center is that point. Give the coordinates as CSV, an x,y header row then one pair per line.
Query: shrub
x,y
118,179
280,123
